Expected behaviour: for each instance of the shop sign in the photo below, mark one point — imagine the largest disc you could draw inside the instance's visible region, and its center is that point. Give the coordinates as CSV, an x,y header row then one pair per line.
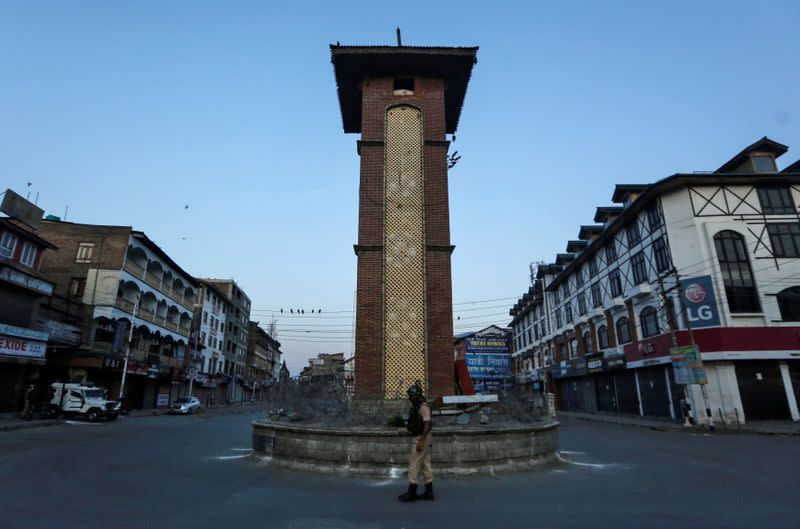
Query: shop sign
x,y
594,365
13,346
647,350
152,372
614,362
22,279
701,304
113,363
23,332
60,333
688,365
488,366
163,399
574,367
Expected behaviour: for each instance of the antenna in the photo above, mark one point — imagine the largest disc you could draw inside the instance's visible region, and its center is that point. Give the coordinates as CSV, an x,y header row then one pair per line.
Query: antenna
x,y
399,41
272,330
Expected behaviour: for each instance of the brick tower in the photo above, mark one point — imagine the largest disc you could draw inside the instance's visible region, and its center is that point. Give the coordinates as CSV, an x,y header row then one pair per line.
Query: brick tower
x,y
404,100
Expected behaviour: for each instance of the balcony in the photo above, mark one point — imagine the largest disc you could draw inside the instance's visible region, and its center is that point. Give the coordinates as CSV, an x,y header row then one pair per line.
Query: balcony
x,y
124,304
171,325
134,269
153,281
184,330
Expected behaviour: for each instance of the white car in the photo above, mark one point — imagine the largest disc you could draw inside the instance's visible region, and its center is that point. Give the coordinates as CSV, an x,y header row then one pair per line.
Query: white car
x,y
86,401
186,405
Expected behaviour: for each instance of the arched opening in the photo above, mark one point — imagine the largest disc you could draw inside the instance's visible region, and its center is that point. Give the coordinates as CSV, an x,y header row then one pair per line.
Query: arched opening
x,y
154,274
649,320
189,295
737,275
602,337
177,288
136,261
789,304
623,330
186,321
161,309
148,305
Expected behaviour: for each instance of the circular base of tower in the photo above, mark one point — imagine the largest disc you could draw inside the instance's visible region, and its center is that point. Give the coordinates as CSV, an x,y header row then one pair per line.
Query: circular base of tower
x,y
457,451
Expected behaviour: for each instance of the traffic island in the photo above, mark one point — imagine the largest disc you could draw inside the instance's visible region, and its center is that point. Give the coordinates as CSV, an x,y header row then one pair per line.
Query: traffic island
x,y
383,451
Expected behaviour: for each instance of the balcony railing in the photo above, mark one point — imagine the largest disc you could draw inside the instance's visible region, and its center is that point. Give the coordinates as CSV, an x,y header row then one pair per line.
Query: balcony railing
x,y
124,304
184,330
134,269
153,281
145,314
171,326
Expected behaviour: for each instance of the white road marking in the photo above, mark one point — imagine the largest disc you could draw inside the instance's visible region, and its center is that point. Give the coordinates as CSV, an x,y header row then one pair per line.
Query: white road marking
x,y
83,423
223,458
571,452
580,464
241,449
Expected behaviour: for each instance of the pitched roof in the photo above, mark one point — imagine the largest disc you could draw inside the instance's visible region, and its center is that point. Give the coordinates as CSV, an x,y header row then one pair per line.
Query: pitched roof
x,y
576,246
793,168
587,231
352,63
763,145
602,212
621,191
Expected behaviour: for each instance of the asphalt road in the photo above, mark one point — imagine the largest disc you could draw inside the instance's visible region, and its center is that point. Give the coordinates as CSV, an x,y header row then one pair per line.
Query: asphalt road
x,y
193,472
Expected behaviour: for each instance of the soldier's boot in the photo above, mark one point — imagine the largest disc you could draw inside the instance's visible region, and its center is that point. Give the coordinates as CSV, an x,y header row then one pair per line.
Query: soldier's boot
x,y
410,495
428,494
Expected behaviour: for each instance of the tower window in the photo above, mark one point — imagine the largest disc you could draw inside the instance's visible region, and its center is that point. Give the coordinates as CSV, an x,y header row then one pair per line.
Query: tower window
x,y
404,87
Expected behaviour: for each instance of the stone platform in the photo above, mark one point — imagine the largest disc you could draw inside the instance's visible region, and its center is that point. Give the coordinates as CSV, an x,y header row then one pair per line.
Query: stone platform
x,y
457,451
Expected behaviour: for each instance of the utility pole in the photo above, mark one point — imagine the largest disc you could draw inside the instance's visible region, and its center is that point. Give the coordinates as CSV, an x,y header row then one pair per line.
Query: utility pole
x,y
672,322
128,348
685,315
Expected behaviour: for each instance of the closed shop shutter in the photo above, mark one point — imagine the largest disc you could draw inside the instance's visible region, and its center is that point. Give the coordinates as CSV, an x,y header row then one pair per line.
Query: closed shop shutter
x,y
606,400
628,402
762,390
653,389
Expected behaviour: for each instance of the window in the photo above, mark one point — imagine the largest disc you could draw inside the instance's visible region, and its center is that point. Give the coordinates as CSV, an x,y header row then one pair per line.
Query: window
x,y
614,283
573,348
623,330
764,164
789,304
649,320
403,87
558,318
587,342
203,338
632,232
8,243
775,200
85,251
579,277
529,336
785,238
28,257
653,218
581,304
737,276
611,252
661,255
76,286
639,268
556,297
592,268
205,317
568,312
602,337
597,298
565,289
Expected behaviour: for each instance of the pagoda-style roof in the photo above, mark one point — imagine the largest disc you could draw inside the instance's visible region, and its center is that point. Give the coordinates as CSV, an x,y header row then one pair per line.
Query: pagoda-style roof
x,y
352,63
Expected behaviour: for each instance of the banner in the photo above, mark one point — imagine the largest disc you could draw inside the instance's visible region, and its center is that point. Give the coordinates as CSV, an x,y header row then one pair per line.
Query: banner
x,y
488,358
700,302
688,365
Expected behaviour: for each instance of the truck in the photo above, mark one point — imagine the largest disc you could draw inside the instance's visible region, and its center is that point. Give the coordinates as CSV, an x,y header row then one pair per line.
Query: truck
x,y
86,401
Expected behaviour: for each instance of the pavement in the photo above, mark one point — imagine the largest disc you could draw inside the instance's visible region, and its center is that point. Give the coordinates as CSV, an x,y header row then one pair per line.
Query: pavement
x,y
197,472
753,427
12,421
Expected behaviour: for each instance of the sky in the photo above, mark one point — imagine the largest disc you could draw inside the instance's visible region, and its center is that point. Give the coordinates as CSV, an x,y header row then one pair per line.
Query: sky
x,y
127,112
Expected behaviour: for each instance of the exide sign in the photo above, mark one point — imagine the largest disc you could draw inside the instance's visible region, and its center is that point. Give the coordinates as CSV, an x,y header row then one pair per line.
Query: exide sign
x,y
701,305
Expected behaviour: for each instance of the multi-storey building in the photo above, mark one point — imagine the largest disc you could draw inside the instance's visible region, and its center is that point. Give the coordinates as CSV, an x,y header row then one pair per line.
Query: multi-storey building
x,y
112,278
23,338
238,320
208,344
263,354
706,258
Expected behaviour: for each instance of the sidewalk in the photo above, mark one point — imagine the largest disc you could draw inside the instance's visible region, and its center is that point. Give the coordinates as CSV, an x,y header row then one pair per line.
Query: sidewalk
x,y
11,421
756,427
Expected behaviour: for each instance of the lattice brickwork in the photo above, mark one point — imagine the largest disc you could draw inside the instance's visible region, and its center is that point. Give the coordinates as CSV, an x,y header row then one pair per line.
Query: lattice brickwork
x,y
404,255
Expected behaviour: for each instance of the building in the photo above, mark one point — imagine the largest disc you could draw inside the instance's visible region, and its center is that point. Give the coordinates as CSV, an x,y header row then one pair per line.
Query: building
x,y
109,279
263,355
326,367
487,354
206,362
283,373
715,252
23,333
235,336
403,100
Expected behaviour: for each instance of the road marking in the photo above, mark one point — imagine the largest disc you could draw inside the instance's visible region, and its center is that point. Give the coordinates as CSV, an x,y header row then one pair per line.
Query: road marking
x,y
563,459
223,458
83,423
571,452
241,449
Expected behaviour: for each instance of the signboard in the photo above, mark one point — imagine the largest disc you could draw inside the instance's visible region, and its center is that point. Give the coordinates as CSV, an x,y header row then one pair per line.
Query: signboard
x,y
152,372
13,346
700,302
573,367
61,333
594,365
23,332
22,279
614,362
17,207
163,399
488,358
688,365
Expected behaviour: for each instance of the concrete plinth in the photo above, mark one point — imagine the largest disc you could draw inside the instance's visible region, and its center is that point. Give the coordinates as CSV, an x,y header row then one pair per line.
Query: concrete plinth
x,y
385,451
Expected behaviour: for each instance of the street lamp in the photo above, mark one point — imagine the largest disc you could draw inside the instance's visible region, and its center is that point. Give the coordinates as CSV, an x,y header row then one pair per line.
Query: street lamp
x,y
128,348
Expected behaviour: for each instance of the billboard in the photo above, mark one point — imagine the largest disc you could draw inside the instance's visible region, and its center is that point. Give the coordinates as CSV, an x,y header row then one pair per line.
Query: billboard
x,y
488,358
688,365
700,302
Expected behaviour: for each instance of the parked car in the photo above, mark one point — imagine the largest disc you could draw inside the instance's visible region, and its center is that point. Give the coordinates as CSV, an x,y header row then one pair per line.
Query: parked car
x,y
86,401
186,405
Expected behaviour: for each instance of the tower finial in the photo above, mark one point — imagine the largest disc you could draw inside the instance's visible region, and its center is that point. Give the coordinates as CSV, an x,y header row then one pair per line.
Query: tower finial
x,y
399,42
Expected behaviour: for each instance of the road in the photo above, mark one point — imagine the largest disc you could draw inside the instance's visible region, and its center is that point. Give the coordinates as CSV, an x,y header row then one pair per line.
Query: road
x,y
193,472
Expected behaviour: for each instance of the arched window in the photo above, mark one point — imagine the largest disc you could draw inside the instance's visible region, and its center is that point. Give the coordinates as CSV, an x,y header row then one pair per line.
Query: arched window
x,y
737,276
623,330
587,342
602,337
573,348
789,303
649,320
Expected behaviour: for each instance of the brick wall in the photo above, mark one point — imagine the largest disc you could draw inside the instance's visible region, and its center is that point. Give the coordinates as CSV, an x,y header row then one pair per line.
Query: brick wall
x,y
429,97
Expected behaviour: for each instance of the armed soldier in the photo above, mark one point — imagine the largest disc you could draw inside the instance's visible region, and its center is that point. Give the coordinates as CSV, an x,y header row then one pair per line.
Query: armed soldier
x,y
419,424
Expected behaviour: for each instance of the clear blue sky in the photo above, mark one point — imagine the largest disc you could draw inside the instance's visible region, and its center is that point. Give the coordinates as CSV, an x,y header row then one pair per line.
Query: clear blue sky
x,y
128,111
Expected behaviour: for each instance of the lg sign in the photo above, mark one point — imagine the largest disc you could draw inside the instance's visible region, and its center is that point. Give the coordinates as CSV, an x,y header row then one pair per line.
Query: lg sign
x,y
701,306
